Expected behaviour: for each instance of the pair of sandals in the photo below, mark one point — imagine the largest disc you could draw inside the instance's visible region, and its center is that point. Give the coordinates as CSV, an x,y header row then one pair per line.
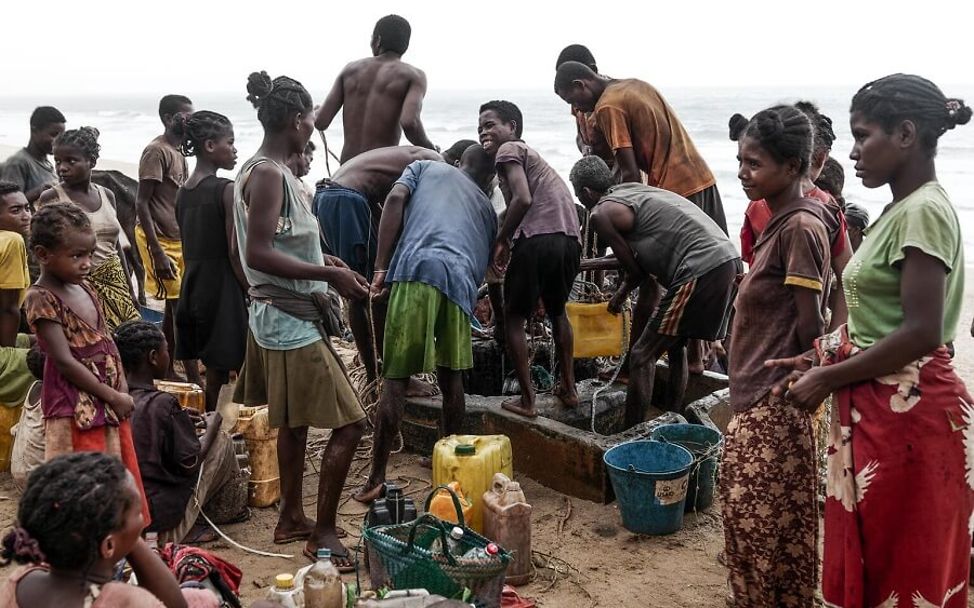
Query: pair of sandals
x,y
342,560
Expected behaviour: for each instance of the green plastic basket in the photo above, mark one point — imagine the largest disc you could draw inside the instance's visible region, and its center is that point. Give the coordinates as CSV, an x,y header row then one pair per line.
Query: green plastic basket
x,y
400,557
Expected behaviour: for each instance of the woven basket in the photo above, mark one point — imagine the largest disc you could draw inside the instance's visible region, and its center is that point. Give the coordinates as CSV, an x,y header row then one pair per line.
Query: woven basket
x,y
400,558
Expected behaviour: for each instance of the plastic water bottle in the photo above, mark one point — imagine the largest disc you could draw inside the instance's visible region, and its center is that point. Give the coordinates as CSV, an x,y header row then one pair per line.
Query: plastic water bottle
x,y
453,543
284,592
323,583
482,553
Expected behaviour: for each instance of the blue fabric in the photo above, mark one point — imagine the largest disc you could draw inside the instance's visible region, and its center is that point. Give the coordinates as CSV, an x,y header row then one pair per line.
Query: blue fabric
x,y
448,230
346,222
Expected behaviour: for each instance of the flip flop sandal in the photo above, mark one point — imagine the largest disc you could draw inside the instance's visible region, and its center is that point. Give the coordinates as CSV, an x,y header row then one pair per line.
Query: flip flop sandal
x,y
343,556
340,532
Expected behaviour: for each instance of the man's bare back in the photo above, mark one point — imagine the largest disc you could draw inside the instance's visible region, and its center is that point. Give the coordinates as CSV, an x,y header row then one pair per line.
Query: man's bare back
x,y
374,172
382,97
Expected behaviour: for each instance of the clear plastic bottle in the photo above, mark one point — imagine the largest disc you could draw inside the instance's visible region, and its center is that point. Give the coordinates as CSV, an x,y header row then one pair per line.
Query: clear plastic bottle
x,y
453,543
285,593
323,583
482,553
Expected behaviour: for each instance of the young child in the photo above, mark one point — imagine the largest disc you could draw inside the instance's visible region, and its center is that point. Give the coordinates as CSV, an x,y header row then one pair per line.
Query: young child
x,y
162,170
85,398
75,155
211,316
540,239
14,275
79,515
170,455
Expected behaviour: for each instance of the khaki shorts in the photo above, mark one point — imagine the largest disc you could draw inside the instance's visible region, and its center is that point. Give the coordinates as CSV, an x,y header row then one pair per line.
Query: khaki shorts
x,y
304,386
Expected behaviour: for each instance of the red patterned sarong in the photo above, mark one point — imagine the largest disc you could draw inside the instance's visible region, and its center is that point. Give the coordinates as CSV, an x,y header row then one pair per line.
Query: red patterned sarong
x,y
899,495
62,436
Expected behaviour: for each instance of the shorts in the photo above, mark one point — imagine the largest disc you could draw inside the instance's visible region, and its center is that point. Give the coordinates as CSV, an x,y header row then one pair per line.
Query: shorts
x,y
424,330
700,308
167,289
346,221
709,201
302,387
542,266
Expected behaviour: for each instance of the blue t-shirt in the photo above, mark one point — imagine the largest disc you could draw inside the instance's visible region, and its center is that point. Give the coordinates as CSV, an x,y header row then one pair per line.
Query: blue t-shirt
x,y
448,229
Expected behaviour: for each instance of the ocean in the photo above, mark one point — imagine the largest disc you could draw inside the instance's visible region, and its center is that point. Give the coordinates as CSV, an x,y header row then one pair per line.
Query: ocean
x,y
128,123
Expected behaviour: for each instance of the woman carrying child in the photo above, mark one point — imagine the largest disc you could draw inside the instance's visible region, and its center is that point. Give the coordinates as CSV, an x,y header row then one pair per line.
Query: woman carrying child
x,y
211,317
85,397
75,155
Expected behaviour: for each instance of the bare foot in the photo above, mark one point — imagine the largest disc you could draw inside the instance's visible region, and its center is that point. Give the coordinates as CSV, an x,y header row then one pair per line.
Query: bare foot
x,y
567,395
369,493
695,368
419,388
339,554
517,406
288,533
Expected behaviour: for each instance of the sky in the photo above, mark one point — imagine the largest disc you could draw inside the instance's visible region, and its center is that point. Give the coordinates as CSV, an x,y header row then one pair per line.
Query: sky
x,y
105,47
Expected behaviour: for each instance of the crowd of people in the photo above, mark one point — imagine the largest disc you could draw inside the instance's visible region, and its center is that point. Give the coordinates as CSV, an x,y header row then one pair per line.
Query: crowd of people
x,y
250,272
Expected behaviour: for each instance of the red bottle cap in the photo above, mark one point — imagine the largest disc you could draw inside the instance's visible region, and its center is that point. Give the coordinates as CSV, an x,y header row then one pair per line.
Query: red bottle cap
x,y
492,549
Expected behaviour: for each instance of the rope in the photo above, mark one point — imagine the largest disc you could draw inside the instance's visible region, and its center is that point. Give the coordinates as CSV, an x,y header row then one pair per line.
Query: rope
x,y
328,152
222,534
615,374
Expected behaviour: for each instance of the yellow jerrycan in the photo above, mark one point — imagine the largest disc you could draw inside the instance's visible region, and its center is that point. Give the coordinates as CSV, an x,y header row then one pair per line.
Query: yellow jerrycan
x,y
472,460
598,332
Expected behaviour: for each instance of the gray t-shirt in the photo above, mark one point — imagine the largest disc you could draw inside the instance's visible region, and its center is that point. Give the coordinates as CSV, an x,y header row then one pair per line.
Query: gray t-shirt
x,y
673,239
448,229
27,172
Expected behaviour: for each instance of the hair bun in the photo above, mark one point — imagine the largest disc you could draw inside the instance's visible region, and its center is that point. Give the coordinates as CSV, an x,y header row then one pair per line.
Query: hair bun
x,y
90,131
958,113
736,126
773,127
19,546
259,85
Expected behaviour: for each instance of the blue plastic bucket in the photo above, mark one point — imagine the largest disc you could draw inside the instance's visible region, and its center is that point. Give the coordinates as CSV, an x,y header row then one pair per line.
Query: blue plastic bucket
x,y
650,482
705,444
151,315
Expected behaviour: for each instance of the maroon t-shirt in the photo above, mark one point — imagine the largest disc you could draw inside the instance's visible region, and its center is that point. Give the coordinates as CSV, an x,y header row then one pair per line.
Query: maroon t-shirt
x,y
169,454
792,253
552,208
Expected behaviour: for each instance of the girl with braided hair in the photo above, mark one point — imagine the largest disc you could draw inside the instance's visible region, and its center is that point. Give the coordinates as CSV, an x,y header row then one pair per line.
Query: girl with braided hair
x,y
85,397
211,316
769,470
290,364
900,496
79,515
75,155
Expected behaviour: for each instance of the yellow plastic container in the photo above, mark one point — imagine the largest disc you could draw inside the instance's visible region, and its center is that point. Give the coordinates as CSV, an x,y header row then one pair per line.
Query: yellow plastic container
x,y
189,394
442,504
9,416
261,440
472,460
598,333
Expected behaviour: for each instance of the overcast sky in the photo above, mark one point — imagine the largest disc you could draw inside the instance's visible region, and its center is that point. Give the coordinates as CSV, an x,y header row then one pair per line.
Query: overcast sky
x,y
144,46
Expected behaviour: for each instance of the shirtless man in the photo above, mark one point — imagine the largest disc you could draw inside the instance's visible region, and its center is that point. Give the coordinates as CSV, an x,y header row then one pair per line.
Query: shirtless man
x,y
382,95
348,206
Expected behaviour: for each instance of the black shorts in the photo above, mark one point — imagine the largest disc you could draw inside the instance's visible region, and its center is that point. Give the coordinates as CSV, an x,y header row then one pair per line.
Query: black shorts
x,y
700,308
545,267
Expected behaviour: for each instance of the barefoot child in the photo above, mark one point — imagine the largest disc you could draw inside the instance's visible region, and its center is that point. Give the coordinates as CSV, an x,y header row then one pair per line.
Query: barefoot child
x,y
170,454
79,515
85,398
75,155
211,316
540,240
